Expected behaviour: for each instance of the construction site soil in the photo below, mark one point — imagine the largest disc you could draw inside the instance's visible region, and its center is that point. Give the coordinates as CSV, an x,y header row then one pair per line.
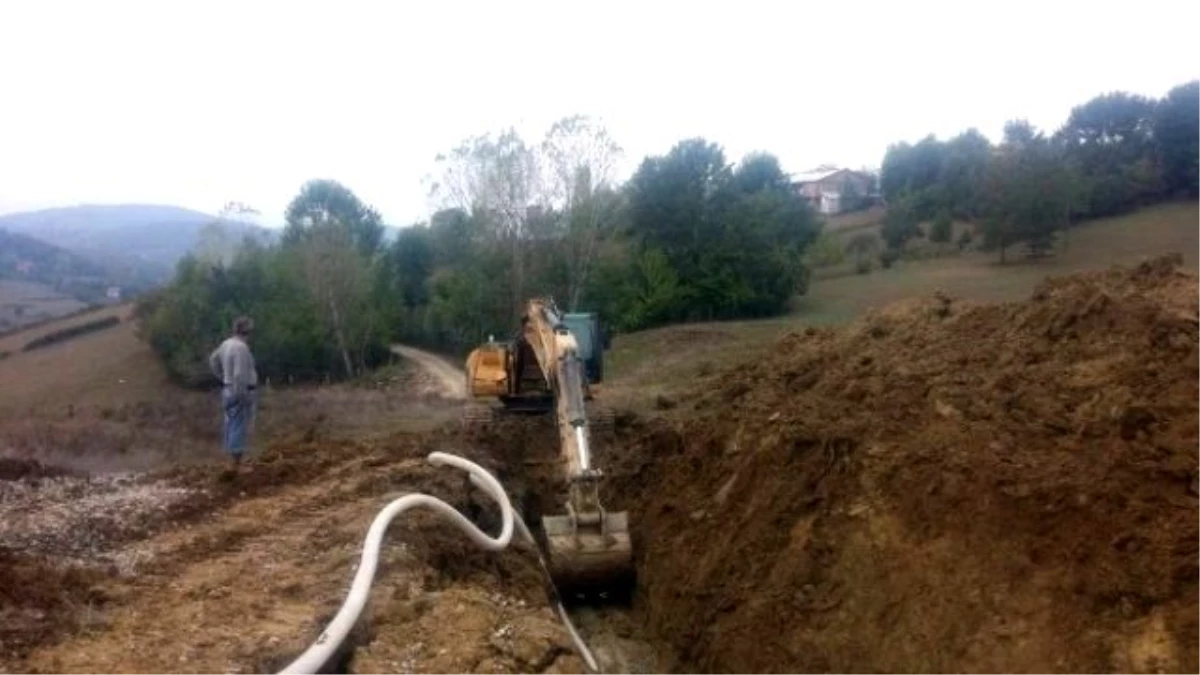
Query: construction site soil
x,y
939,486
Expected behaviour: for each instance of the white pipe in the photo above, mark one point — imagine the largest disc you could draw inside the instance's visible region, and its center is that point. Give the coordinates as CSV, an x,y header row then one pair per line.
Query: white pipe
x,y
319,653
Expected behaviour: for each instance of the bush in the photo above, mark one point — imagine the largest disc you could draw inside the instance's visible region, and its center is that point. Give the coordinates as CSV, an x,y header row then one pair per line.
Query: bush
x,y
887,257
72,332
965,239
825,251
942,229
862,265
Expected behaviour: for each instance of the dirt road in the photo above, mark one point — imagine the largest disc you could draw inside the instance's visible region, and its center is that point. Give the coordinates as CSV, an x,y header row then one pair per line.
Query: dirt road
x,y
448,376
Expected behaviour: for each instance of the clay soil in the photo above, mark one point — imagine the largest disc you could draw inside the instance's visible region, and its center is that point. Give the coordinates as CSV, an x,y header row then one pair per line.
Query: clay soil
x,y
937,487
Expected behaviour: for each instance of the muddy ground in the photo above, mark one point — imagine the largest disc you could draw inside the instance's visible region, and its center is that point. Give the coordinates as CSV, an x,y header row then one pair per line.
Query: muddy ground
x,y
937,487
129,557
240,574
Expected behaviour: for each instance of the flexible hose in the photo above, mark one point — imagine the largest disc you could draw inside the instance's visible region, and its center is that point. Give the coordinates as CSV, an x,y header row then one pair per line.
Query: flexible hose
x,y
321,650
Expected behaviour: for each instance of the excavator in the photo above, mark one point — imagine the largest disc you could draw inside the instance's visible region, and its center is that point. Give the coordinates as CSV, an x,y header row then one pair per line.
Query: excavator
x,y
554,363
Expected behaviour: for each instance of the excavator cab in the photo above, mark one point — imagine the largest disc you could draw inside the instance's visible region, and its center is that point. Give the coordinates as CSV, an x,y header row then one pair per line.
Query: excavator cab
x,y
591,341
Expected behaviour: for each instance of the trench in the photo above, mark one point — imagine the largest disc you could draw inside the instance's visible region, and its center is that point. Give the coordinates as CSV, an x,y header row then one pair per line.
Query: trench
x,y
612,623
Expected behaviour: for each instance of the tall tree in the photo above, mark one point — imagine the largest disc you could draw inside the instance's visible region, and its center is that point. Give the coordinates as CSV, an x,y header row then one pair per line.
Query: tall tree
x,y
733,238
581,159
671,202
334,237
1029,192
963,170
499,182
1109,139
323,202
1177,138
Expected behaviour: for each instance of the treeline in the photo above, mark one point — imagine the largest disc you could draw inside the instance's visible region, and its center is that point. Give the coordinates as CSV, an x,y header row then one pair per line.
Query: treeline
x,y
1115,153
689,237
317,295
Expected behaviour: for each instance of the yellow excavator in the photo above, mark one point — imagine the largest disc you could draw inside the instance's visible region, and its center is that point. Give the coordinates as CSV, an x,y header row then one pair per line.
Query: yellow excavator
x,y
554,363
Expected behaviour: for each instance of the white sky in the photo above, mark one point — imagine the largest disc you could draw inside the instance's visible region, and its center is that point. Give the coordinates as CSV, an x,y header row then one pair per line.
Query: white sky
x,y
199,103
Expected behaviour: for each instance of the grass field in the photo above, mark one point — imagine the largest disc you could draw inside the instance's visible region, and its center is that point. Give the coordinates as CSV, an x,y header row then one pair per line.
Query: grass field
x,y
23,303
109,368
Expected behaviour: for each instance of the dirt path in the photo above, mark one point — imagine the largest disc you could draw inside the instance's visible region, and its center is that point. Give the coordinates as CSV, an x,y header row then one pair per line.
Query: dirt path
x,y
450,377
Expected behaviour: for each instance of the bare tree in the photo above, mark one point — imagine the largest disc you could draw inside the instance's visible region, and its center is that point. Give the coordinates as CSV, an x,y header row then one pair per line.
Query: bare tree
x,y
499,181
338,280
215,244
581,159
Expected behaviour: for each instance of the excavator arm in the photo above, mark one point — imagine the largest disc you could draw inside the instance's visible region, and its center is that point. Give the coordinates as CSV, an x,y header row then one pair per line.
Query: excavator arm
x,y
589,546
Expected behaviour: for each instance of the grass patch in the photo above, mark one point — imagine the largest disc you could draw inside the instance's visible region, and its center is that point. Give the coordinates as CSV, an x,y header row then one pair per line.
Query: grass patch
x,y
65,334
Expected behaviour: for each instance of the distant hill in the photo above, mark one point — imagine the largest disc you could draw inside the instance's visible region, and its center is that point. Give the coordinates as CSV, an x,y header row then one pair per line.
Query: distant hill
x,y
27,260
151,237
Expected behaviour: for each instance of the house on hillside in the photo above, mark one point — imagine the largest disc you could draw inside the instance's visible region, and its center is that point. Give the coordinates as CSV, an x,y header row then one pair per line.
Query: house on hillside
x,y
113,293
832,191
25,266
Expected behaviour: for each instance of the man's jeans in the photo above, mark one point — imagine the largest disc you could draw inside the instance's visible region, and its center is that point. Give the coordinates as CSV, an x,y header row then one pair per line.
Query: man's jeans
x,y
238,416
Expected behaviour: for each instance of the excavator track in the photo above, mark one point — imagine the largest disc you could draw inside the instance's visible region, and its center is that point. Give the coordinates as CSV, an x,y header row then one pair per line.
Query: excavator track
x,y
477,416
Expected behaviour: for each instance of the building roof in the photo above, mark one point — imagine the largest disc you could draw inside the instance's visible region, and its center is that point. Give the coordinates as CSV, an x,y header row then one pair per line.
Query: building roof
x,y
814,176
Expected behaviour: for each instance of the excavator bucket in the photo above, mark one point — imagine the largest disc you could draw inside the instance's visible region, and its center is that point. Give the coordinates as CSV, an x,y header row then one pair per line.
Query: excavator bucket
x,y
595,556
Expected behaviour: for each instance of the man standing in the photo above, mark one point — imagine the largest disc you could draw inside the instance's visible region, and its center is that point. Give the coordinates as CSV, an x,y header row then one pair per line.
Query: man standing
x,y
233,364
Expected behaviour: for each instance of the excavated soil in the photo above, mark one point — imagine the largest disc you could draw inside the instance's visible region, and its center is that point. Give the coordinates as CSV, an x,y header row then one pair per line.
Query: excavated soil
x,y
195,569
940,486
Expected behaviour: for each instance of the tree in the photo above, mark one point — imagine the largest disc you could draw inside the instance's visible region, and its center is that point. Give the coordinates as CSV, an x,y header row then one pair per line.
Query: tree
x,y
942,228
1029,192
409,262
582,157
333,237
963,170
900,224
323,202
1019,133
1176,129
733,237
1109,140
499,182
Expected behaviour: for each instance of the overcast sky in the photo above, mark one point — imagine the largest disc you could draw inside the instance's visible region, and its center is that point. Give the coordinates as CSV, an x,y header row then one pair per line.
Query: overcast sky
x,y
200,103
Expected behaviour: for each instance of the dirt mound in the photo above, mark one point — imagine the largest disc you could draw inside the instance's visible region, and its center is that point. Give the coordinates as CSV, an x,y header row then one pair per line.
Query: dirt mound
x,y
939,487
38,601
12,469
